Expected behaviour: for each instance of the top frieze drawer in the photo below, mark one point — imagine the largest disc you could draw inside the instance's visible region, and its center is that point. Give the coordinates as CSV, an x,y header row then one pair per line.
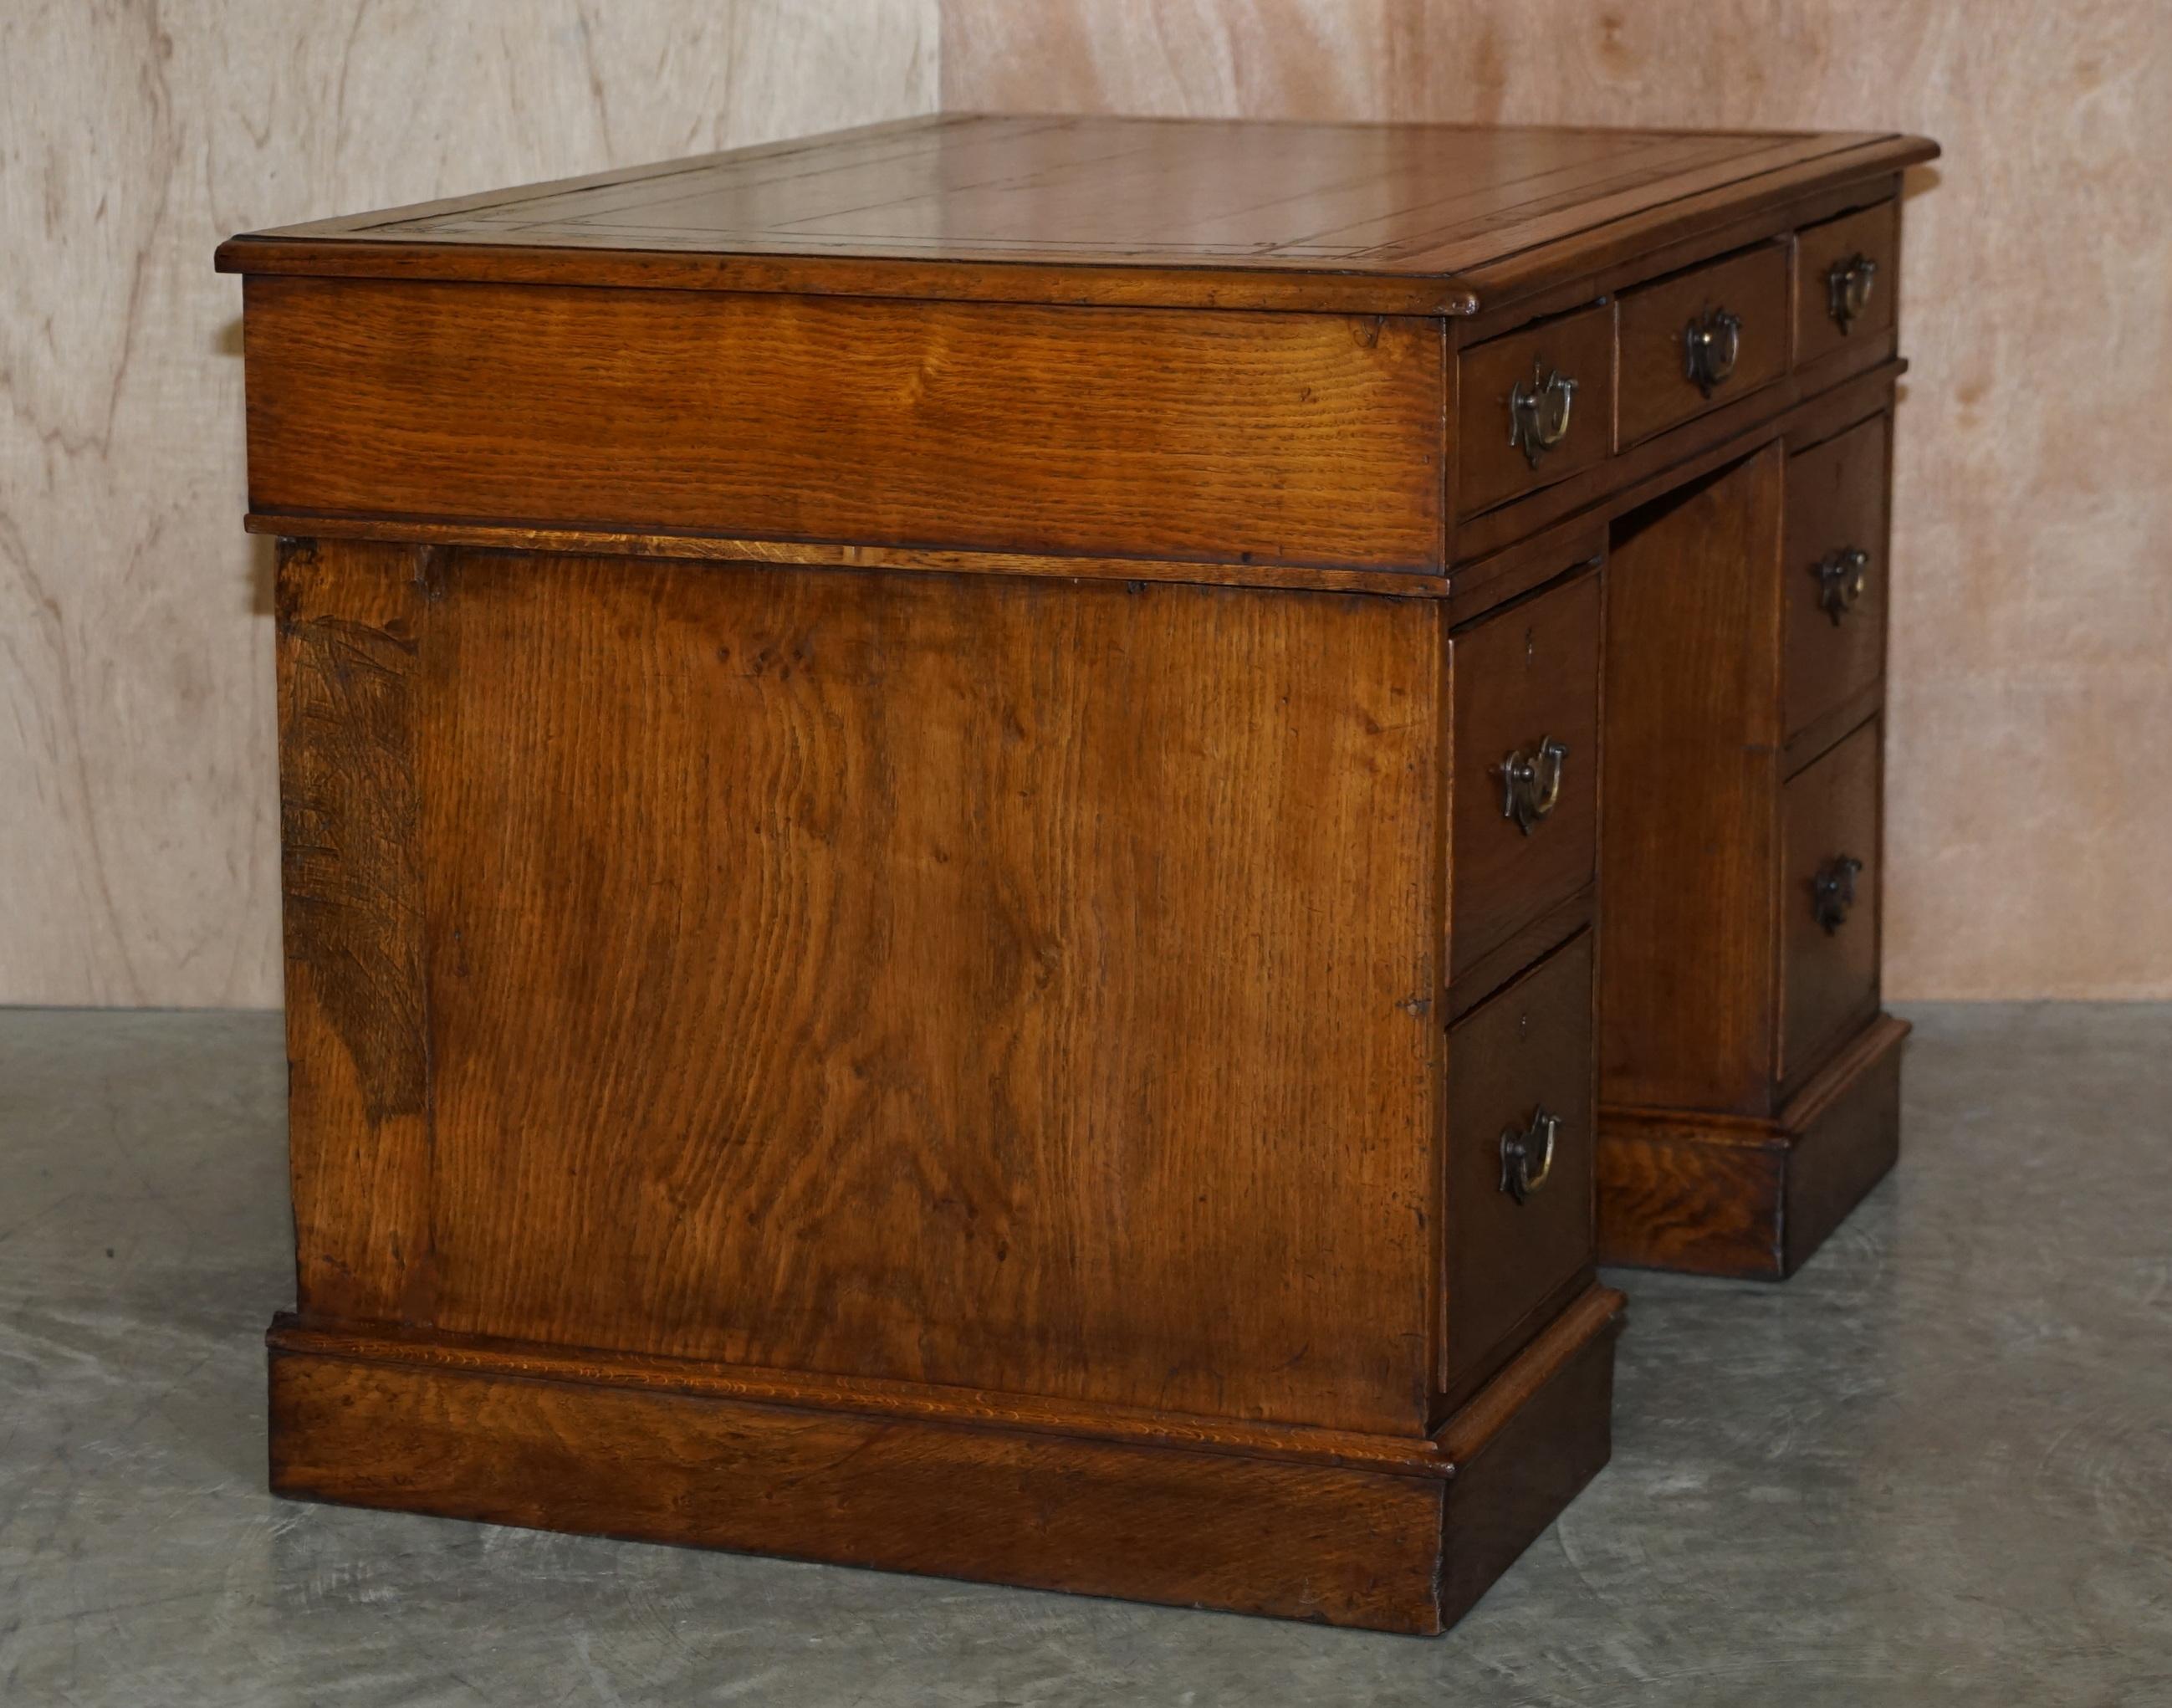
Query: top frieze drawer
x,y
1535,406
1701,339
1848,278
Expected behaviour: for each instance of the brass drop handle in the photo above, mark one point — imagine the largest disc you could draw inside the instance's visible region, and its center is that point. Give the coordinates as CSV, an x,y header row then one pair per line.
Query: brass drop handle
x,y
1832,892
1848,288
1538,413
1711,343
1527,1157
1531,783
1840,575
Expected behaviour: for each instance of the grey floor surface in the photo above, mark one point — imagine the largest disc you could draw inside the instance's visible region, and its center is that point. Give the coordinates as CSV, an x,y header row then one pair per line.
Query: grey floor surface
x,y
1936,1466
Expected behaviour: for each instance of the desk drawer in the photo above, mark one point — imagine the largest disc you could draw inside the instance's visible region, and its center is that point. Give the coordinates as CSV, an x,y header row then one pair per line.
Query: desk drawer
x,y
1517,429
1526,697
1739,304
1523,1057
1829,901
1833,573
1848,278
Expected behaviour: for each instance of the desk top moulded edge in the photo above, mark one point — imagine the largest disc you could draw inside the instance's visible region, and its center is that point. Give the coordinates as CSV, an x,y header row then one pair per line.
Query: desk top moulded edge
x,y
1469,275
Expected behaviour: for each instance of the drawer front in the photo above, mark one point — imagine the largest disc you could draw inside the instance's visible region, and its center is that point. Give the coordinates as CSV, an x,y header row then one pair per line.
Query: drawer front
x,y
1304,439
1829,901
1740,305
1523,1057
1833,573
1511,438
1848,278
1525,818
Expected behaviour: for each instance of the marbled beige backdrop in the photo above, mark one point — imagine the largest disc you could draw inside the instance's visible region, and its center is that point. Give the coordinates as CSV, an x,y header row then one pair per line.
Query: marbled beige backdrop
x,y
2030,789
138,832
2031,786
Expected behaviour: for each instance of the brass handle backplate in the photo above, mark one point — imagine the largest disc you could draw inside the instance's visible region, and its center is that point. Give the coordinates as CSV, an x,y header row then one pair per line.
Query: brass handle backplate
x,y
1527,1157
1711,343
1538,413
1832,892
1842,576
1848,285
1531,783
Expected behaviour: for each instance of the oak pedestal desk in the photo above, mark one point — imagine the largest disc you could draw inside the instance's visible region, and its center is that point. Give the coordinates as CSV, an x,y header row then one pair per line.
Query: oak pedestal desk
x,y
944,821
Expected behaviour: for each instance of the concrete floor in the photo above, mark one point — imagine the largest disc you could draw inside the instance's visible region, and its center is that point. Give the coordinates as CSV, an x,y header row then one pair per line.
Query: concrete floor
x,y
1935,1467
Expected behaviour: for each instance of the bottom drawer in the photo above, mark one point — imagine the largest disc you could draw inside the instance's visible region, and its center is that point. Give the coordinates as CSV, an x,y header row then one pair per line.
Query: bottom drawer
x,y
1519,1160
1829,902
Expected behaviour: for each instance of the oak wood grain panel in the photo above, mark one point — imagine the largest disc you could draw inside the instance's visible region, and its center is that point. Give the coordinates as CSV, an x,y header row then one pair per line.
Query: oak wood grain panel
x,y
1689,813
1830,981
1673,1198
1528,674
1872,233
1527,1049
351,617
1490,468
1837,501
1290,438
1263,1536
1656,390
1010,983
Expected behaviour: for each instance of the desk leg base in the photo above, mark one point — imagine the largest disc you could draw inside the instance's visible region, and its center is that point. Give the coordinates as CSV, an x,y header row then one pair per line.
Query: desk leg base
x,y
1727,1195
463,1430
